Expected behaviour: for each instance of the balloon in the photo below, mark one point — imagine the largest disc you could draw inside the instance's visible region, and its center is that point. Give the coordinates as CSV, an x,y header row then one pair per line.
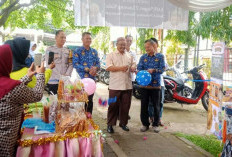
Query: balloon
x,y
89,85
143,78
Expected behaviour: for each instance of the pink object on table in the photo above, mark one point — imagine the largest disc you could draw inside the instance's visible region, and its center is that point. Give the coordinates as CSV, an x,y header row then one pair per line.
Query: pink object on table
x,y
28,131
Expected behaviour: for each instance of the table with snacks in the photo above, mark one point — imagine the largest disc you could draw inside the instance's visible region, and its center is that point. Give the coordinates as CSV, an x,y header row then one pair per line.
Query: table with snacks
x,y
60,127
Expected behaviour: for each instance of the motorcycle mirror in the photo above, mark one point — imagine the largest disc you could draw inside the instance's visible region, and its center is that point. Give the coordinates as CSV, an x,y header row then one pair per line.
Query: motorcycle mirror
x,y
201,66
178,64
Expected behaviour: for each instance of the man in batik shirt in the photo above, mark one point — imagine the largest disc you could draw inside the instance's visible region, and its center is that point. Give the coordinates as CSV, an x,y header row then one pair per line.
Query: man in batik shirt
x,y
86,63
153,62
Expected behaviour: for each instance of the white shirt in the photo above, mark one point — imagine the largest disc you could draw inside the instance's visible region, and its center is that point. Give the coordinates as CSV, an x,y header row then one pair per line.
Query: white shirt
x,y
133,54
161,76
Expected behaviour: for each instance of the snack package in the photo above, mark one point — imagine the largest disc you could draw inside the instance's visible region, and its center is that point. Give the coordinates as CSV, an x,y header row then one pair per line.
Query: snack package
x,y
46,113
33,110
71,91
71,117
69,111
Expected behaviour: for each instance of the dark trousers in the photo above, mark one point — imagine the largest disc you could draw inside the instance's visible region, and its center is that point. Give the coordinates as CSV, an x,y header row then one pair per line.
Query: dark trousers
x,y
89,105
53,88
162,101
151,108
154,96
119,109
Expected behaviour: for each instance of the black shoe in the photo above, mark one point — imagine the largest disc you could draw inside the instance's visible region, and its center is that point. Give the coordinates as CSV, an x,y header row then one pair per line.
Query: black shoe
x,y
110,129
124,127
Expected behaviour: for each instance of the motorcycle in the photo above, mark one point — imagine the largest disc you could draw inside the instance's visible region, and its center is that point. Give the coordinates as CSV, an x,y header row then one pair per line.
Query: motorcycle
x,y
106,77
187,90
103,75
177,91
100,75
136,90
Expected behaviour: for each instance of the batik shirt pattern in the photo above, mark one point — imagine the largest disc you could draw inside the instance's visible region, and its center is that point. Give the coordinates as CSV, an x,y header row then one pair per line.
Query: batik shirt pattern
x,y
153,62
83,60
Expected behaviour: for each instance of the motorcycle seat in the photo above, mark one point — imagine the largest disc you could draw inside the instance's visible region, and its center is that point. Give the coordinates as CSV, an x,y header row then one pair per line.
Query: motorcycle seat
x,y
177,80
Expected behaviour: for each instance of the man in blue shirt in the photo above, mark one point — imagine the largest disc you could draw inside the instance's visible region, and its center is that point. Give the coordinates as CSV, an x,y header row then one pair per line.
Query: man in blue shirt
x,y
150,106
86,63
153,62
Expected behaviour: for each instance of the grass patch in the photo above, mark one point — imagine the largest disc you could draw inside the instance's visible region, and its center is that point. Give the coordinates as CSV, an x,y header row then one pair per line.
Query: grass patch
x,y
207,142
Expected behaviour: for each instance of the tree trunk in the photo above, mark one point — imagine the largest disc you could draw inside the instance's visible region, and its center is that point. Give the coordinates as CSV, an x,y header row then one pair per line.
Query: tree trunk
x,y
194,57
162,40
198,47
186,57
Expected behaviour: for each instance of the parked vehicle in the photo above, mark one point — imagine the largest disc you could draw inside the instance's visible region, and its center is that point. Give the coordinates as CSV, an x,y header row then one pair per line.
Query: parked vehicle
x,y
136,91
103,76
176,69
176,90
106,77
100,74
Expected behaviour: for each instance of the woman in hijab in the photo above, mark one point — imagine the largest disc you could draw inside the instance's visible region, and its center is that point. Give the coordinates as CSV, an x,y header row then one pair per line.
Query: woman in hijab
x,y
13,94
30,58
33,47
20,49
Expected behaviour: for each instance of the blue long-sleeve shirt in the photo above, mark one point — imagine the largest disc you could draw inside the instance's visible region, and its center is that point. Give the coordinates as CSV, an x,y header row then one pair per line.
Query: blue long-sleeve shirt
x,y
84,59
29,60
153,62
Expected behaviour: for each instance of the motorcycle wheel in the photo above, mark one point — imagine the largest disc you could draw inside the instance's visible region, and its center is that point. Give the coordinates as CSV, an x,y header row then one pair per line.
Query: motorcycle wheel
x,y
205,100
97,78
187,92
137,93
106,77
101,76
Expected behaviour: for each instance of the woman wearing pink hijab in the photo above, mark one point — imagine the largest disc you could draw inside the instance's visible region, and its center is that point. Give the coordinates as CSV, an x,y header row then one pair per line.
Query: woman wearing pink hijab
x,y
13,94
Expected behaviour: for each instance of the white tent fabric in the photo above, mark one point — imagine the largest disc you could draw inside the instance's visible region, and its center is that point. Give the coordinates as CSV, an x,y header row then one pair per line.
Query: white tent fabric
x,y
202,5
159,14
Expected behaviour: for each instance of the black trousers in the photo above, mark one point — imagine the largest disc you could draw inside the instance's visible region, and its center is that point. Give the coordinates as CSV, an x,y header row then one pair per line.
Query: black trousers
x,y
154,96
89,105
53,88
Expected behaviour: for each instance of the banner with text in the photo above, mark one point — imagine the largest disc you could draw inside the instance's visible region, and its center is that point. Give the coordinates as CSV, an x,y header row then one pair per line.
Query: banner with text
x,y
159,14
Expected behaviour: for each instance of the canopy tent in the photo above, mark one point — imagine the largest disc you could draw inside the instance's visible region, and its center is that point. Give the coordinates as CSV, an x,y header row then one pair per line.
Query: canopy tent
x,y
202,5
160,14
